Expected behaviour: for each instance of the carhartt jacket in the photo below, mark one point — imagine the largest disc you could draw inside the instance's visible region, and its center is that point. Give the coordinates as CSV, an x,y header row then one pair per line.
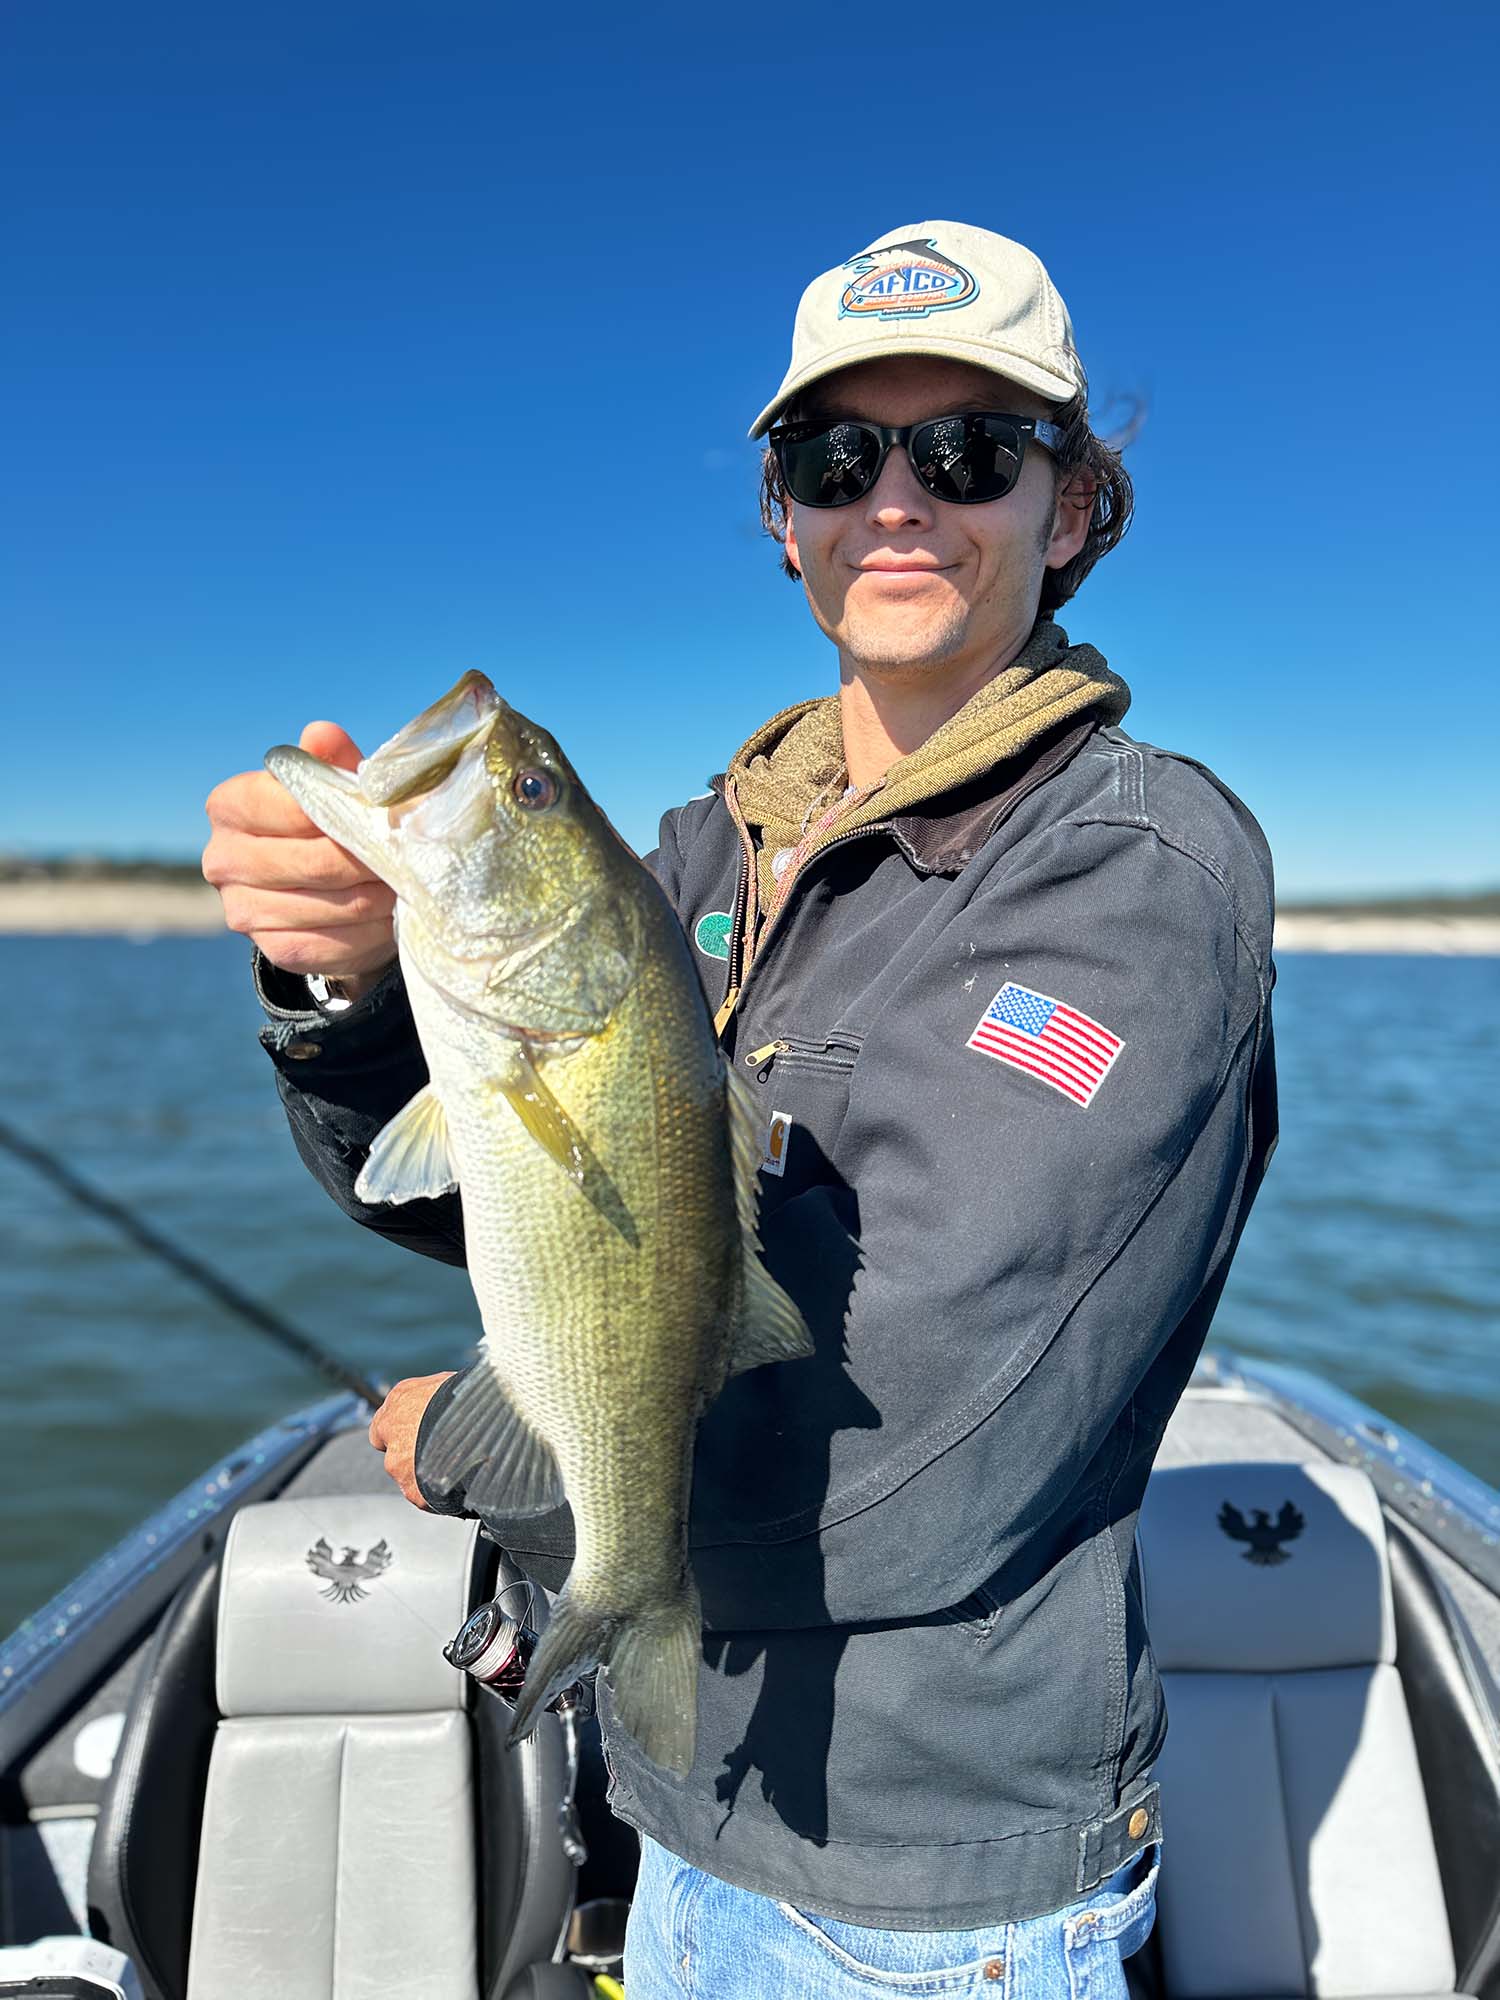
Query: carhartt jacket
x,y
1014,1053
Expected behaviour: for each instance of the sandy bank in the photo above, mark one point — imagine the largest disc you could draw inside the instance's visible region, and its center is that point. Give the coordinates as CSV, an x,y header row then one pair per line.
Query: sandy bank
x,y
161,909
1470,937
128,909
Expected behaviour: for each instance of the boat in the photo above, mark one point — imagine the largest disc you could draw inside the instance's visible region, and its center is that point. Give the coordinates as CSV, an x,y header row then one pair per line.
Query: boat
x,y
235,1761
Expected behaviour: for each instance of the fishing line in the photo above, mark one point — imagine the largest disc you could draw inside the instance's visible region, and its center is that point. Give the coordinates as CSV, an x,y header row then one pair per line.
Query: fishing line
x,y
227,1294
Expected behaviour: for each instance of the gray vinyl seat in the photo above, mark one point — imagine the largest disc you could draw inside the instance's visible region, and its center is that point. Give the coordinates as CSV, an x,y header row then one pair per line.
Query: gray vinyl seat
x,y
308,1801
336,1842
1299,1855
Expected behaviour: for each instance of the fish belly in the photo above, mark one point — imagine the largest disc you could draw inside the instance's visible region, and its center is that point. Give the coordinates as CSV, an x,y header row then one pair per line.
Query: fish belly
x,y
607,1340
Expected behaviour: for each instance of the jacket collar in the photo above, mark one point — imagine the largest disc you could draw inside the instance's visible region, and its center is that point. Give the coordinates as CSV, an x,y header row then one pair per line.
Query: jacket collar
x,y
942,835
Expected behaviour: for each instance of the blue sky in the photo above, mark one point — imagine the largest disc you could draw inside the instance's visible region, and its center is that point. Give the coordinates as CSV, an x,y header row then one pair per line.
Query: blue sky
x,y
318,313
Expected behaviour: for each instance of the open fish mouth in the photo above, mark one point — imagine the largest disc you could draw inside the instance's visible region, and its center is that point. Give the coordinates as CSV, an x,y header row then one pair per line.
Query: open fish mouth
x,y
421,755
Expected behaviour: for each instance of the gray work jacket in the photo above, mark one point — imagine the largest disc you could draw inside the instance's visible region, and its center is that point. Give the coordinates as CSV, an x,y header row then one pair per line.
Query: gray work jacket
x,y
1014,1053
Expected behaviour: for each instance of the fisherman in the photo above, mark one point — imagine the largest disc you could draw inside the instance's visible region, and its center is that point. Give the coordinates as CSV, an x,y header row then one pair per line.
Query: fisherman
x,y
1001,977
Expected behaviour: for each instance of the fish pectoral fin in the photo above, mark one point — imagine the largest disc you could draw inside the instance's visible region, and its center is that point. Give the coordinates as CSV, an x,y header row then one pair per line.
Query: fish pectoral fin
x,y
482,1443
409,1160
769,1326
528,1095
554,1131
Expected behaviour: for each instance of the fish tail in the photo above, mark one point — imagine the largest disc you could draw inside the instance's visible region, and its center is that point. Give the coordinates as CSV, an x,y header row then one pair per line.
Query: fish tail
x,y
653,1670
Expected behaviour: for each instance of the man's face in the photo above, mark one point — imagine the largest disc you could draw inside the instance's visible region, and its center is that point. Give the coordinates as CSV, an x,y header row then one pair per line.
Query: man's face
x,y
903,583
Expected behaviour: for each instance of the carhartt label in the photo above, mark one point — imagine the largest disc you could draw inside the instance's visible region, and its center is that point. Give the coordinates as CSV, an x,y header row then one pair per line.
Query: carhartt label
x,y
778,1138
711,934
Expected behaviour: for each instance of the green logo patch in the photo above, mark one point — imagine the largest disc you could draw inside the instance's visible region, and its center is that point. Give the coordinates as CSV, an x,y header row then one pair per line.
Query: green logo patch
x,y
712,934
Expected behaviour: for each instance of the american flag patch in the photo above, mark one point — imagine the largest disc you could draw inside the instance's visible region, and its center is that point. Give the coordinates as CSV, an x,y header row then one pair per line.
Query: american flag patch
x,y
1034,1032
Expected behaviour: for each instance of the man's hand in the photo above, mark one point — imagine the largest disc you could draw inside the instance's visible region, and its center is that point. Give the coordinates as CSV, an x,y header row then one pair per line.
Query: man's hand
x,y
306,901
394,1427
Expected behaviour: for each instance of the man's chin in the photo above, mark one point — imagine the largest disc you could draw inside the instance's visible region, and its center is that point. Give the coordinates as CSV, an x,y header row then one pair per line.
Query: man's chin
x,y
900,647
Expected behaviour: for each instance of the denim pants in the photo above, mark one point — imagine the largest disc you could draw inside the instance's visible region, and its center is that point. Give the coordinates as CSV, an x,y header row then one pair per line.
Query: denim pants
x,y
692,1937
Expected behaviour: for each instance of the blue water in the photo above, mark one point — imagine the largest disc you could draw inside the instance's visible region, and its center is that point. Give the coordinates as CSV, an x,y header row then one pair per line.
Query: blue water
x,y
1372,1257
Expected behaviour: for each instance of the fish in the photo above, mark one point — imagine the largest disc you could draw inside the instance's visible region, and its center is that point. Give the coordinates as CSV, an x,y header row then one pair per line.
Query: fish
x,y
606,1159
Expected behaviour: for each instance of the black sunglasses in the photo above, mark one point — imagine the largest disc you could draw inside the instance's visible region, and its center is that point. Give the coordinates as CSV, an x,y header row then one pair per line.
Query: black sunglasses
x,y
967,458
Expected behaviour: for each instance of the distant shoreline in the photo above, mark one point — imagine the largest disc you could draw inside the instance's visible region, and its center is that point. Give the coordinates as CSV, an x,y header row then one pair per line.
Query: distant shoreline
x,y
83,906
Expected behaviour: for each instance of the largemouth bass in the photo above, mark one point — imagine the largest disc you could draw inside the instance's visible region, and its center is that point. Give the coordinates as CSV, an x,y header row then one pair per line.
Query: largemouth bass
x,y
607,1165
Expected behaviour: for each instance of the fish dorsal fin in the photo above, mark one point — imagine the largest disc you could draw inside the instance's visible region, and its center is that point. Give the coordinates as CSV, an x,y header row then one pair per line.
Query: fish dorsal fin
x,y
481,1443
409,1160
769,1326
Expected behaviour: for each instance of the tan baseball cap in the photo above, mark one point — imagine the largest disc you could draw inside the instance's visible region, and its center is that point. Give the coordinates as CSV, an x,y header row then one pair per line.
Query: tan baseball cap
x,y
942,288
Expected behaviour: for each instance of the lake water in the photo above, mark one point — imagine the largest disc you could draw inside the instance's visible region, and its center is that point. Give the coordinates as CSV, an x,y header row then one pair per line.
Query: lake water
x,y
1372,1257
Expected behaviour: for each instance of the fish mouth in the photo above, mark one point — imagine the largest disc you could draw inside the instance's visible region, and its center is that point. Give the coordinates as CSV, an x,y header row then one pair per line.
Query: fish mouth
x,y
419,757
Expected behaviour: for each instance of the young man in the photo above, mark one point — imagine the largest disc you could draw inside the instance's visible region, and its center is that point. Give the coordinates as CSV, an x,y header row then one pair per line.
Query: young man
x,y
1001,976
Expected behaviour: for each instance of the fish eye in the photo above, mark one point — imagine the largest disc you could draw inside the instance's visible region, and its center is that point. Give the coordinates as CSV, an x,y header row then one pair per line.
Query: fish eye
x,y
536,790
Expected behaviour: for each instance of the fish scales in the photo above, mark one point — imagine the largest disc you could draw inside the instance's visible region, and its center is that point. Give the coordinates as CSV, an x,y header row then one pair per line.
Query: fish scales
x,y
564,1297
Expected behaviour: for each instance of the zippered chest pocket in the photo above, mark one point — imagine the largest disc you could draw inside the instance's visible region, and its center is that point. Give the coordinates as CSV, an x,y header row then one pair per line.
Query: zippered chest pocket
x,y
802,1086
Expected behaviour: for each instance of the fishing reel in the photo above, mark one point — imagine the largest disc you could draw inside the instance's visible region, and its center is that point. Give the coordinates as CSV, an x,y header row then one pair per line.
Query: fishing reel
x,y
494,1646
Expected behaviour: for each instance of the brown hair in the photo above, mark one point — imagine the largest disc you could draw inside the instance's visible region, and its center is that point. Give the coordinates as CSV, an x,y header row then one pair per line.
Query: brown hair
x,y
1080,452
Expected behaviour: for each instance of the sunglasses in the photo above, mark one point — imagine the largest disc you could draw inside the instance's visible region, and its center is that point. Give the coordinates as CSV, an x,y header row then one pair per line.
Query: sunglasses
x,y
968,458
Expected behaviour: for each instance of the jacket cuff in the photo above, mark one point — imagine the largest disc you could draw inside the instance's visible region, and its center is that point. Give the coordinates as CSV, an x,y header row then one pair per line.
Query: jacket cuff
x,y
303,1041
441,1499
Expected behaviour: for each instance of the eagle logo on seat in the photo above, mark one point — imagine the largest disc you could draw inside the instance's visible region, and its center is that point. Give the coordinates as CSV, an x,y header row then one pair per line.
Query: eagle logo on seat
x,y
1264,1535
347,1577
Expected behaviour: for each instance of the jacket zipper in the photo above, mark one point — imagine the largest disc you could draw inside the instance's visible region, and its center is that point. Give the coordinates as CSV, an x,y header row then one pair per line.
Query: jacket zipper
x,y
760,1060
836,1052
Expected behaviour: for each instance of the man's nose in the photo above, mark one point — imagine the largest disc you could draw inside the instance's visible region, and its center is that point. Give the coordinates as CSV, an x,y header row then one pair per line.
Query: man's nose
x,y
898,498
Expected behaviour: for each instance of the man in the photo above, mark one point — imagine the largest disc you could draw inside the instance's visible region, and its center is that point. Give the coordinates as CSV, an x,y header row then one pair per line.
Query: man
x,y
1002,978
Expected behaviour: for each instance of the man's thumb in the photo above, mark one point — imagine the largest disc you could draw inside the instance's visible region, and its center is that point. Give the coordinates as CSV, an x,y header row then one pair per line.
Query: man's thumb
x,y
334,745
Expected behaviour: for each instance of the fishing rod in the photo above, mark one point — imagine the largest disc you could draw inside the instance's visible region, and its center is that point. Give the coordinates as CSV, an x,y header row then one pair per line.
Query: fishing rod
x,y
282,1331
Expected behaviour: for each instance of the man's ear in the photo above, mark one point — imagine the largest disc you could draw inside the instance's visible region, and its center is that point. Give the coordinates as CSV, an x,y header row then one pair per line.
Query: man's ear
x,y
1073,516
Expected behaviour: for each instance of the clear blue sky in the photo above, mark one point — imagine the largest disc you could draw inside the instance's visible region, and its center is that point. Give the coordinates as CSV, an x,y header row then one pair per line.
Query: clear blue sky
x,y
316,314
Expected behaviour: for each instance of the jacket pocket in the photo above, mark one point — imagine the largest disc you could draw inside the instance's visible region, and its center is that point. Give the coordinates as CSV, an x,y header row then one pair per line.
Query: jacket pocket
x,y
837,1051
802,1083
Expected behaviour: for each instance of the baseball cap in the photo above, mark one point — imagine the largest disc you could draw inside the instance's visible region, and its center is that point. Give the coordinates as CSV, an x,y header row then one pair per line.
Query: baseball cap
x,y
940,288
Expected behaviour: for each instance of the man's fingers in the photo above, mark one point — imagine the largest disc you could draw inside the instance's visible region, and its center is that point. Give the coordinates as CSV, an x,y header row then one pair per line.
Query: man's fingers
x,y
334,745
304,909
254,802
281,862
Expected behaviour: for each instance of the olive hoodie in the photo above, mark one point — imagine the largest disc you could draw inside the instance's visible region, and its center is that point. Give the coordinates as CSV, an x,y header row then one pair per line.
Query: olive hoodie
x,y
1008,1018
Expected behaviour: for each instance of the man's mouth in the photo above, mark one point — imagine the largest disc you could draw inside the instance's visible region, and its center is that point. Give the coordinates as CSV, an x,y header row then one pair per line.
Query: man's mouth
x,y
900,566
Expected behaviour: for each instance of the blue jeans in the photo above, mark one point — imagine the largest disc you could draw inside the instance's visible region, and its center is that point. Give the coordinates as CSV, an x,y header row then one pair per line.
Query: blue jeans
x,y
692,1937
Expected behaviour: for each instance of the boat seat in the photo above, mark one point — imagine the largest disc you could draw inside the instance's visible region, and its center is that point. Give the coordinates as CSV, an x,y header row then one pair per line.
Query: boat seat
x,y
308,1800
1331,1775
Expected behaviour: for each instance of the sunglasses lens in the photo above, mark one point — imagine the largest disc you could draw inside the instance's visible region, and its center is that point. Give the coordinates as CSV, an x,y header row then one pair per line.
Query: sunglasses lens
x,y
832,467
967,458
